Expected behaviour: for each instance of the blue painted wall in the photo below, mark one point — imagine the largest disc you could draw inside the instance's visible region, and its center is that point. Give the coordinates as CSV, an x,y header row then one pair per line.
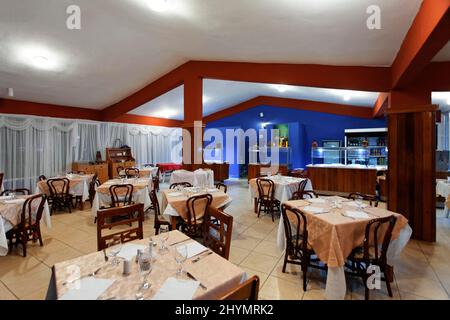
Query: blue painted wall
x,y
304,127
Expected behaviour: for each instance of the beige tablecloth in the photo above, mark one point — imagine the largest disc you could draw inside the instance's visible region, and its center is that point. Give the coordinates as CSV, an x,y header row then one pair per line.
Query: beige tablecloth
x,y
216,273
79,185
175,205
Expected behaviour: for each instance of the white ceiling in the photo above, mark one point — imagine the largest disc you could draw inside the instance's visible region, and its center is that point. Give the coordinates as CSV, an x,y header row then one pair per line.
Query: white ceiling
x,y
124,45
219,95
442,98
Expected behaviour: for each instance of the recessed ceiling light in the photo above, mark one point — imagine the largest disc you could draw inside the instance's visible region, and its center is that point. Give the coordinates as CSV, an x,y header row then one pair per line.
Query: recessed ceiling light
x,y
41,62
347,98
158,5
166,113
39,57
281,87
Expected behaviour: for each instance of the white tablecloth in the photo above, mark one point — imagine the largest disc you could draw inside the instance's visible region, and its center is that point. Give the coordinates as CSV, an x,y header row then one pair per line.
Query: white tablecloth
x,y
79,189
284,188
104,200
5,226
443,190
197,178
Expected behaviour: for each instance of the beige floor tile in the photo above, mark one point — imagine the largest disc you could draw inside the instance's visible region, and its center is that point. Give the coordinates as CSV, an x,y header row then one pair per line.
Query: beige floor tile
x,y
268,247
279,289
60,256
411,296
262,276
237,255
245,242
422,287
22,284
315,294
5,294
36,295
259,262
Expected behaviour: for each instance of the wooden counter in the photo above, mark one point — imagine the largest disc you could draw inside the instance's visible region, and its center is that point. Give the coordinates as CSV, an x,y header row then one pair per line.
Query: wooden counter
x,y
254,170
343,180
101,169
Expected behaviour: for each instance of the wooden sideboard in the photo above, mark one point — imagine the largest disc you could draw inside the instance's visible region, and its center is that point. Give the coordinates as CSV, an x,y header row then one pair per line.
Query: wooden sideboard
x,y
221,170
343,180
101,169
254,170
118,157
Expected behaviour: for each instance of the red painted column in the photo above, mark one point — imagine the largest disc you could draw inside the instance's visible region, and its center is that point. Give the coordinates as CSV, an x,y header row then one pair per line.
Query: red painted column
x,y
192,125
411,164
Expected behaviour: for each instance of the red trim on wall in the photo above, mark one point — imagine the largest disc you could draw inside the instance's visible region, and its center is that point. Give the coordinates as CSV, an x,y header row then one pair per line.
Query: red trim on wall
x,y
150,121
333,108
428,34
381,105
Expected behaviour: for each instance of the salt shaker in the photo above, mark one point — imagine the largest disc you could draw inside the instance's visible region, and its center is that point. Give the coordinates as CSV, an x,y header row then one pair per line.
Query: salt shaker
x,y
126,267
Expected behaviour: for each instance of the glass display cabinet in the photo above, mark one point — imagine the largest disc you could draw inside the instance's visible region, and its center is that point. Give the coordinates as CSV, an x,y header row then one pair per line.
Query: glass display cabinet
x,y
368,156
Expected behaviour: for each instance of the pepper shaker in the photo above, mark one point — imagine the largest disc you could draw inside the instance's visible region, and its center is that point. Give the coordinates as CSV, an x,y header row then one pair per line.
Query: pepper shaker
x,y
126,267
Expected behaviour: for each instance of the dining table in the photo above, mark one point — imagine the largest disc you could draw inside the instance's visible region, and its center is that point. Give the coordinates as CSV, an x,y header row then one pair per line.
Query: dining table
x,y
207,276
141,187
335,227
144,172
11,215
285,186
79,185
174,202
197,178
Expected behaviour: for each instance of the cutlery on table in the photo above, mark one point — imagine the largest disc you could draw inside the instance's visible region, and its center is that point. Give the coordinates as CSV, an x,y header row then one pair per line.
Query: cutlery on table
x,y
92,274
172,244
201,255
195,279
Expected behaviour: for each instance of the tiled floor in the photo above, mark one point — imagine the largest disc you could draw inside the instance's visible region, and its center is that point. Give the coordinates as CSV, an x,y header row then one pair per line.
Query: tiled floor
x,y
423,271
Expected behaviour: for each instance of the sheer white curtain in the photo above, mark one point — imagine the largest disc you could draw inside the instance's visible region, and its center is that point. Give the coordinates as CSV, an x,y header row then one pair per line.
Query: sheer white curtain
x,y
31,146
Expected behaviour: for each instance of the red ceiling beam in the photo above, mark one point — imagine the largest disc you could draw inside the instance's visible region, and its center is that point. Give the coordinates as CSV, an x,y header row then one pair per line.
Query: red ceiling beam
x,y
311,75
47,110
428,34
150,121
324,107
158,87
381,105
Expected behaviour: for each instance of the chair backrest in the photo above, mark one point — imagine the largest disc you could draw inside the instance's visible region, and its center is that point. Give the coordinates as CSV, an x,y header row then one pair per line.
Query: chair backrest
x,y
148,165
132,173
304,195
32,210
367,197
20,190
121,194
197,207
295,228
218,228
128,234
92,185
119,169
377,237
181,184
58,187
247,290
266,188
1,178
155,204
222,186
302,185
42,177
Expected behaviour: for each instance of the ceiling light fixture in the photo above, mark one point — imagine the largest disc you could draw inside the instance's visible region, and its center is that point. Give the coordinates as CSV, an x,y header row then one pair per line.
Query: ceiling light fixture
x,y
347,98
165,113
281,87
41,62
158,5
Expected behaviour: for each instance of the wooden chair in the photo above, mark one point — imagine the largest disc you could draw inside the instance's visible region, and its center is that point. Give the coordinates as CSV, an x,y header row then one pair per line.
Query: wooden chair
x,y
297,249
1,179
374,252
181,184
197,207
304,195
93,184
248,290
218,228
155,180
130,234
302,185
132,173
366,197
159,219
22,191
121,194
77,172
222,186
59,193
42,178
29,227
266,197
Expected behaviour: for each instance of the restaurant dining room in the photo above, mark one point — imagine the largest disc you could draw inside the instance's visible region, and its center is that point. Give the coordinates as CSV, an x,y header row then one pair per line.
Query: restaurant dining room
x,y
225,150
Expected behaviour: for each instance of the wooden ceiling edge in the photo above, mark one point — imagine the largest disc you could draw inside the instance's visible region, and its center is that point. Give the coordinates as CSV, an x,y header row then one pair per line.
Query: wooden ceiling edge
x,y
307,105
381,105
413,109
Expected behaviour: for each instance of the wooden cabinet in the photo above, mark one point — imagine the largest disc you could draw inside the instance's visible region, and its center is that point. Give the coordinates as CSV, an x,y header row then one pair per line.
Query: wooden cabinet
x,y
256,170
343,180
118,157
221,170
101,169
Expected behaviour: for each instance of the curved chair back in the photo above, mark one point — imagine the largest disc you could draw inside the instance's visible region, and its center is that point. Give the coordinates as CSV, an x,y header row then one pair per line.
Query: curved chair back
x,y
222,186
367,197
302,185
374,238
197,207
32,210
218,228
304,195
266,189
181,184
58,187
42,178
121,194
132,173
295,228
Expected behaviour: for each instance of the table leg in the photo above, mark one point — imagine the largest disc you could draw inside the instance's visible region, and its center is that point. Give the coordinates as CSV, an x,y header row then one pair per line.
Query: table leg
x,y
255,205
173,221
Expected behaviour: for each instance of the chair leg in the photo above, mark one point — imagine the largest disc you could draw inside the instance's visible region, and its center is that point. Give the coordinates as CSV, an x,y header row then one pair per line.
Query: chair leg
x,y
272,212
285,261
38,230
24,244
388,286
304,271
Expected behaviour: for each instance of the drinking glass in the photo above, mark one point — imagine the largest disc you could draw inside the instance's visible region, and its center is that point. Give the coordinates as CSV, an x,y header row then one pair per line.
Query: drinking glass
x,y
114,247
145,268
180,255
164,236
359,202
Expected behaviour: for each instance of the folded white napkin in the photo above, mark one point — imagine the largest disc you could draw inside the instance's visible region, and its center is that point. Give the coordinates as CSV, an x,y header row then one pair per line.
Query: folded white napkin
x,y
177,289
194,248
355,205
129,251
316,200
356,214
315,210
5,198
87,289
15,201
